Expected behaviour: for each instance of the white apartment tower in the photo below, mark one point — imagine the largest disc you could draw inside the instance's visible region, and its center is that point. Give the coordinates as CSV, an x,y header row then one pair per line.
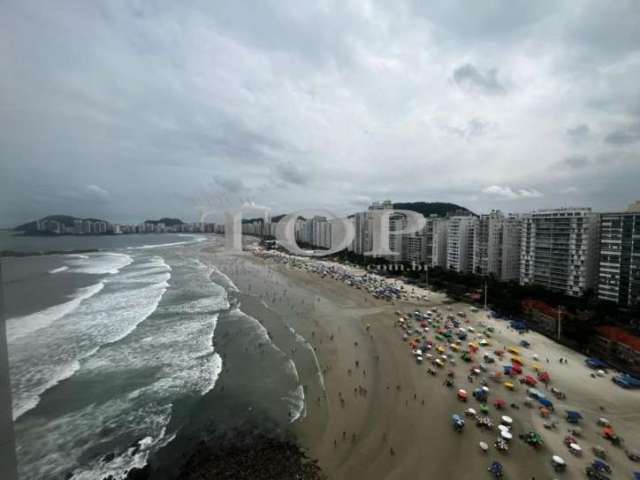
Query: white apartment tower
x,y
440,229
511,234
487,244
558,249
460,243
619,257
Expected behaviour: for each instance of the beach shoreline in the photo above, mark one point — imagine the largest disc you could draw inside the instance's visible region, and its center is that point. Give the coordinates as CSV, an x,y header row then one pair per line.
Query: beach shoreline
x,y
385,418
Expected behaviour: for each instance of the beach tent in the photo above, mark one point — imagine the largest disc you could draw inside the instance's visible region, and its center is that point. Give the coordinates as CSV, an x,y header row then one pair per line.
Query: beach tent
x,y
598,451
499,403
516,369
462,395
573,416
575,449
595,363
601,466
533,438
480,395
545,403
544,377
529,380
557,460
535,393
458,422
506,435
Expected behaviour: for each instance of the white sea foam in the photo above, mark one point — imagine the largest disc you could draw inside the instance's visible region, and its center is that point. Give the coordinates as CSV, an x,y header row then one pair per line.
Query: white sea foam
x,y
59,270
305,343
40,361
295,399
99,263
195,239
31,399
176,345
229,283
25,325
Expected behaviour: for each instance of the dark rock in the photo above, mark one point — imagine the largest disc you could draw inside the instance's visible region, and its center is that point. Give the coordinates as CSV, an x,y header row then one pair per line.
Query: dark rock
x,y
139,473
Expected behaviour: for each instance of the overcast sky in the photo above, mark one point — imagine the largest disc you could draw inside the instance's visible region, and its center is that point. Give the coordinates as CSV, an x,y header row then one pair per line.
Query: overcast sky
x,y
132,110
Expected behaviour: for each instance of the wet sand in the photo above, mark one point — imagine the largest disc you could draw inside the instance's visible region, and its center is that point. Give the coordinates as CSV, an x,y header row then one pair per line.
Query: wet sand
x,y
386,418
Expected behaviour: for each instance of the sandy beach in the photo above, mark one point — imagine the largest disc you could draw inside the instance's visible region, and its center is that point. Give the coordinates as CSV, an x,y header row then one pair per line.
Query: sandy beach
x,y
374,413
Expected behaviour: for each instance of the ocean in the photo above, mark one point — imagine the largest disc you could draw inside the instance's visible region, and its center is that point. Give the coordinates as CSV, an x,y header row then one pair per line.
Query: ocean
x,y
115,353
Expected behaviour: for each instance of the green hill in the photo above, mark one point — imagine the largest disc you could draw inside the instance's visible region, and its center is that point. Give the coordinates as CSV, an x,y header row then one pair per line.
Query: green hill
x,y
169,222
441,209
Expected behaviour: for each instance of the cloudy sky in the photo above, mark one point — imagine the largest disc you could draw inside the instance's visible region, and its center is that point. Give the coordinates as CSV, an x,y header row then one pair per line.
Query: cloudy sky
x,y
135,109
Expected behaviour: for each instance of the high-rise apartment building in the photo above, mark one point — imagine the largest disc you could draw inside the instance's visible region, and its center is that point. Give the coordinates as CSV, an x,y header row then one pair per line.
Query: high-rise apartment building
x,y
511,237
619,257
487,244
558,249
460,243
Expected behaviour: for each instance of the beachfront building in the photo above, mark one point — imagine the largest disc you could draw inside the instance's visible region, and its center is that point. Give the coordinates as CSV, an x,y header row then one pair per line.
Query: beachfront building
x,y
559,249
496,246
460,243
360,243
439,230
619,257
511,233
487,244
413,247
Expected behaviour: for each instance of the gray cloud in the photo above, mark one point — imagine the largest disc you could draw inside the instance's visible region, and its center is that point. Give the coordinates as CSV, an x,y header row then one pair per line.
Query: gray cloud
x,y
576,161
624,136
290,173
511,193
468,77
294,105
579,133
473,128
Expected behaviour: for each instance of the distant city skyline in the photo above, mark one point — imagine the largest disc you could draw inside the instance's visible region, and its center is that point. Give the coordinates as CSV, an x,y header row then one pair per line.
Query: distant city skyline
x,y
167,109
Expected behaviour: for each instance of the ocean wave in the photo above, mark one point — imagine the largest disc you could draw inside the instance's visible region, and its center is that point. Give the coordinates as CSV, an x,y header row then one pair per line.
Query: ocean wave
x,y
100,263
104,336
225,278
305,343
59,270
39,362
295,399
20,326
196,239
32,398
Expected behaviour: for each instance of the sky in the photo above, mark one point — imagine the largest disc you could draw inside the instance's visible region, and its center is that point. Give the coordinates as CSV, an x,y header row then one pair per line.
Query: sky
x,y
128,110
